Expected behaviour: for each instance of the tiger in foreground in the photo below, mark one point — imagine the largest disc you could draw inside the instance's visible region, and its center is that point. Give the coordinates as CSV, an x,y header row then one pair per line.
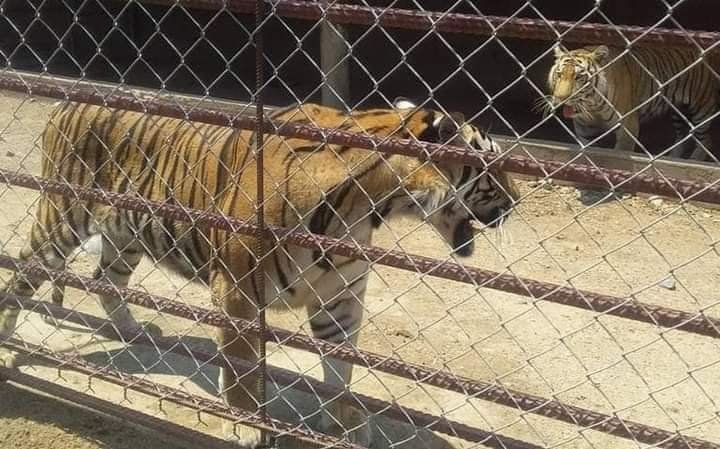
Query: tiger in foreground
x,y
599,86
335,190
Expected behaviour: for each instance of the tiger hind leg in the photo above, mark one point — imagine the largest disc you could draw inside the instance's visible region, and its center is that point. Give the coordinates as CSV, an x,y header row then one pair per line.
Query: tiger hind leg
x,y
684,144
703,143
49,246
58,292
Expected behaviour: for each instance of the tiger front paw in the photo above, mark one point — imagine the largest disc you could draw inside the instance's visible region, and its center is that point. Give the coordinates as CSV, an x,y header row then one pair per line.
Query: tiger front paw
x,y
8,317
7,358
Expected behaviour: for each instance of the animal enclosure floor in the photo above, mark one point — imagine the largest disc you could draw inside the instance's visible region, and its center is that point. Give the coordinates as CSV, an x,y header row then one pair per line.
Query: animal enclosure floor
x,y
32,421
624,246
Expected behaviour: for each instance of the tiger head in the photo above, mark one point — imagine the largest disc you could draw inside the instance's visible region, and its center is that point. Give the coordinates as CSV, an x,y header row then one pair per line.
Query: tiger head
x,y
575,80
477,197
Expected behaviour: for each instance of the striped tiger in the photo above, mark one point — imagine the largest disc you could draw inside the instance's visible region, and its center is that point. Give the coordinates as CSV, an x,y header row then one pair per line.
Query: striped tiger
x,y
335,190
600,86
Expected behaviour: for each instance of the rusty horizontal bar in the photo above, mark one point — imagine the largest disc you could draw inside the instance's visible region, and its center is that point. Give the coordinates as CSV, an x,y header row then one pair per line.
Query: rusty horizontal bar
x,y
476,24
74,361
443,379
586,174
693,323
186,436
281,376
697,323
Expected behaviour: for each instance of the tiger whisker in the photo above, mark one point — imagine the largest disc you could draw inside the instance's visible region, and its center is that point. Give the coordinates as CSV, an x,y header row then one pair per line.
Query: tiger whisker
x,y
544,105
499,232
502,234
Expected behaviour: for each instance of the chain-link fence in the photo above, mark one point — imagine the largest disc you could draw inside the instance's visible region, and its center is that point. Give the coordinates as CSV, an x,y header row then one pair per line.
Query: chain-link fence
x,y
423,197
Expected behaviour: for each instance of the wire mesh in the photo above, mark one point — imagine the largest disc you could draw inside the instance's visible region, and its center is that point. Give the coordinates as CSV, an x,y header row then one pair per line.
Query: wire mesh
x,y
435,281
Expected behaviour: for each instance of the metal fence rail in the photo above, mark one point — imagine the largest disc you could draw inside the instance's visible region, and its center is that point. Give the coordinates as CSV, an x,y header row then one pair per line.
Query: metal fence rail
x,y
586,418
279,375
697,323
646,181
144,420
438,378
448,22
135,383
582,170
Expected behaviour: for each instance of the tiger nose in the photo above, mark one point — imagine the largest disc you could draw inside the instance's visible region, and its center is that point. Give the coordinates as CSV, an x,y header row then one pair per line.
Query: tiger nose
x,y
562,91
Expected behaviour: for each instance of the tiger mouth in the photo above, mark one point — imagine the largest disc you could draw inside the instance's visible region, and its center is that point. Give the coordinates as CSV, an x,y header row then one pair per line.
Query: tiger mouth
x,y
493,219
568,111
465,231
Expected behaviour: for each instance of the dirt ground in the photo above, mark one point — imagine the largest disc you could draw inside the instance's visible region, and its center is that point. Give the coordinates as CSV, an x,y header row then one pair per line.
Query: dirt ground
x,y
624,246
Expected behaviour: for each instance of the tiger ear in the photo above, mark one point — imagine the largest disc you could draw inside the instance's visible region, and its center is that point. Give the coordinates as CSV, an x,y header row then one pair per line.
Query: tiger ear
x,y
558,51
601,53
403,103
449,125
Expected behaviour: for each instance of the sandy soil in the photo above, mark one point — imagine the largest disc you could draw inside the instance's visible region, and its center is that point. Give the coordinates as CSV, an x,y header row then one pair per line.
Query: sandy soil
x,y
622,246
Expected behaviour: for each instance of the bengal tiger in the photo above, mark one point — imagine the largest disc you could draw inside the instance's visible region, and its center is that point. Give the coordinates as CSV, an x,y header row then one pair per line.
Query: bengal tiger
x,y
599,86
339,191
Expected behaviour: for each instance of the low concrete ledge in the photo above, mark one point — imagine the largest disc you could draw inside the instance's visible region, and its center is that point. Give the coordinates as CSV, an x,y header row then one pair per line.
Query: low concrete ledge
x,y
608,158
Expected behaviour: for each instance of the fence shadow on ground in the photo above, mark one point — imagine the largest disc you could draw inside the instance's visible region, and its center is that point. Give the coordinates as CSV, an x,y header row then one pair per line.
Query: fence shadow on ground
x,y
289,406
49,423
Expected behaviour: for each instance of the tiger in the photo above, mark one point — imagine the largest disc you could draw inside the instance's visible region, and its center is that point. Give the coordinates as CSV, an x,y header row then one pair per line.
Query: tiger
x,y
333,190
599,86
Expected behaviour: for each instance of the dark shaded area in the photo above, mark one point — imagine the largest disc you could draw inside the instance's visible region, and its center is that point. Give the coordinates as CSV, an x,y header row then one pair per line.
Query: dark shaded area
x,y
209,52
33,420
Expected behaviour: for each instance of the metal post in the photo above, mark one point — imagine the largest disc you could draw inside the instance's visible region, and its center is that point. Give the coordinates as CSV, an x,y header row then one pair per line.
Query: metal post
x,y
260,249
335,64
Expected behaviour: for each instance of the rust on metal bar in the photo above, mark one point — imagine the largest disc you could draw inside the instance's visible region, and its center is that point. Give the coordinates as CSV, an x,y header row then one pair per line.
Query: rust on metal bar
x,y
446,22
187,436
587,174
107,329
443,379
697,323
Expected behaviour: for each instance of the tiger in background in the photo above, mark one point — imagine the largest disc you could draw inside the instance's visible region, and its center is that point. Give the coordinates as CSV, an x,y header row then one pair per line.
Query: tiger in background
x,y
598,86
335,190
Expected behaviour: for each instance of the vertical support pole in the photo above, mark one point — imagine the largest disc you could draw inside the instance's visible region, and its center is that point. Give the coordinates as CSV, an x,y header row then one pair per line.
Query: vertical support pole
x,y
260,249
334,64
